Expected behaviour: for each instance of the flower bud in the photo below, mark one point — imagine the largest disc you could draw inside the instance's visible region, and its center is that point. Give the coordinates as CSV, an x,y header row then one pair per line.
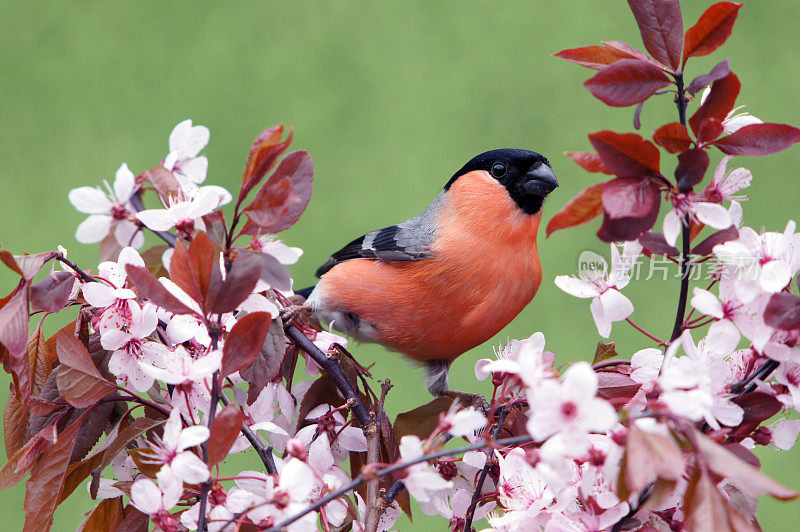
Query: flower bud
x,y
297,449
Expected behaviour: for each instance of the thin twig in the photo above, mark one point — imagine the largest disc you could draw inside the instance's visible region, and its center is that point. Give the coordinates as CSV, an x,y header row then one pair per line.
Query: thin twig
x,y
333,369
264,450
374,504
680,100
656,339
476,495
85,277
392,469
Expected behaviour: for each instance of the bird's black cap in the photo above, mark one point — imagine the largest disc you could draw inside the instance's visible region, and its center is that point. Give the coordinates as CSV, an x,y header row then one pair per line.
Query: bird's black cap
x,y
526,175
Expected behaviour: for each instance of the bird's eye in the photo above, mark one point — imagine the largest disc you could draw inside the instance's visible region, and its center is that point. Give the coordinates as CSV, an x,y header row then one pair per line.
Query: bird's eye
x,y
498,169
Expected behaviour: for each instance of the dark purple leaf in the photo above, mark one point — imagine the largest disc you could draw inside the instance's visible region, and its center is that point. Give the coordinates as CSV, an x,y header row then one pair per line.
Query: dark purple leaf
x,y
707,246
783,311
52,293
720,70
626,82
692,166
720,101
224,432
154,290
629,197
244,341
225,296
615,230
661,25
655,244
299,168
273,272
709,130
759,139
263,154
616,388
79,381
626,154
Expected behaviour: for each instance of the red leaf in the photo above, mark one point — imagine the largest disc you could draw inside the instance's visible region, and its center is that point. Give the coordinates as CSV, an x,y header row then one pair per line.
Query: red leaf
x,y
692,166
154,290
299,168
783,311
661,26
616,388
710,129
164,181
626,82
629,197
267,365
79,382
27,265
183,273
14,337
596,57
582,208
759,139
720,70
705,508
626,154
270,204
648,456
265,151
273,272
719,103
707,246
758,407
422,420
590,162
656,244
711,31
614,230
738,472
52,293
47,479
224,432
244,341
673,137
225,296
105,516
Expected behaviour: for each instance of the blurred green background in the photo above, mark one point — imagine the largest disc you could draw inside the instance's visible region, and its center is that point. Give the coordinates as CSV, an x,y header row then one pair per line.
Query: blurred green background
x,y
390,99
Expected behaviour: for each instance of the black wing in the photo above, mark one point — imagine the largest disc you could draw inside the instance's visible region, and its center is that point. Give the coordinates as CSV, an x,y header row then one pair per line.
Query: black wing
x,y
392,244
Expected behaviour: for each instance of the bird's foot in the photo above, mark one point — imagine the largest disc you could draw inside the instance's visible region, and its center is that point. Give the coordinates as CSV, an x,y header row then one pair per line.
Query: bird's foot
x,y
297,313
471,399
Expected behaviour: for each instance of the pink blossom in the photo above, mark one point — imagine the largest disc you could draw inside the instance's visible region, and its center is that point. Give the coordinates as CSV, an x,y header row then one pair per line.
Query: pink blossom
x,y
113,301
724,185
343,438
569,409
129,347
185,213
462,422
760,262
171,450
608,304
108,210
526,359
690,206
185,143
387,520
422,480
156,500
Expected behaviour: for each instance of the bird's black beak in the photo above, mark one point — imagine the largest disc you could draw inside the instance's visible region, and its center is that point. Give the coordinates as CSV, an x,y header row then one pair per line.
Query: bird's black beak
x,y
540,180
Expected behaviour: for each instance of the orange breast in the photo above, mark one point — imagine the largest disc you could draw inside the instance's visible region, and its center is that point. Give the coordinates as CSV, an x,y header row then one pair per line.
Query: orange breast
x,y
484,270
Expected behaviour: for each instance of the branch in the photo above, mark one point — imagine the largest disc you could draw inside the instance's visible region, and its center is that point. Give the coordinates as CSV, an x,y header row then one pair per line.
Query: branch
x,y
476,495
373,508
685,266
389,470
85,277
264,450
334,371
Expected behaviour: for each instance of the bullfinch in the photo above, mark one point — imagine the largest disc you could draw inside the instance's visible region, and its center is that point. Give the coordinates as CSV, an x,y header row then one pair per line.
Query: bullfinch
x,y
445,281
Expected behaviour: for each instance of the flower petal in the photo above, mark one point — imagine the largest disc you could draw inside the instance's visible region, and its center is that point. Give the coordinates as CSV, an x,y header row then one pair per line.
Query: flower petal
x,y
89,200
93,229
